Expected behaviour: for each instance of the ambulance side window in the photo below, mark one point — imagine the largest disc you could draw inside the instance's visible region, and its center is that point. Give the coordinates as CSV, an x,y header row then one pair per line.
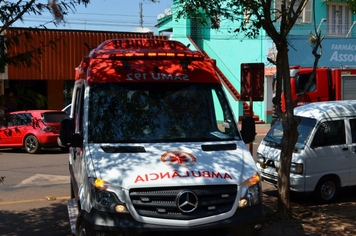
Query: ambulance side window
x,y
78,109
224,121
330,133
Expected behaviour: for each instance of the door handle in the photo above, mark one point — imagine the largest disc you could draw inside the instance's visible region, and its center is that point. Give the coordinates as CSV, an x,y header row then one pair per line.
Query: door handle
x,y
345,149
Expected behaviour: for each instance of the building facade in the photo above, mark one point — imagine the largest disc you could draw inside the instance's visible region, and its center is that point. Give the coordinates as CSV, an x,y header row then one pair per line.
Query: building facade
x,y
332,17
53,77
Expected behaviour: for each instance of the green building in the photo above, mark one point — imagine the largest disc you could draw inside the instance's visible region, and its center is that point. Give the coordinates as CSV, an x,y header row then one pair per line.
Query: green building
x,y
332,17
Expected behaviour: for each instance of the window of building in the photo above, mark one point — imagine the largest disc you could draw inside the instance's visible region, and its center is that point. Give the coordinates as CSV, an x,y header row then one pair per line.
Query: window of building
x,y
305,16
338,19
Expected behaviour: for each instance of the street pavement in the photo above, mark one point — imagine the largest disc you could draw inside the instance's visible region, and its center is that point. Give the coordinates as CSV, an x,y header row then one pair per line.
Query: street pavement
x,y
43,217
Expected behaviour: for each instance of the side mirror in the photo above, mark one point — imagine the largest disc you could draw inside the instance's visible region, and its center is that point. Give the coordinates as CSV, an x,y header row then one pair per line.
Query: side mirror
x,y
67,137
248,129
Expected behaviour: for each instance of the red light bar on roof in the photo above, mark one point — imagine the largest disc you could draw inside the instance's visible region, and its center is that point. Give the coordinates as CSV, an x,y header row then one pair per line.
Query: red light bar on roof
x,y
135,55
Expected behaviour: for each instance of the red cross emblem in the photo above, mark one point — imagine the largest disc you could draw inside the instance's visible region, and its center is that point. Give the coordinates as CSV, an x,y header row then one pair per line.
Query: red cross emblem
x,y
178,158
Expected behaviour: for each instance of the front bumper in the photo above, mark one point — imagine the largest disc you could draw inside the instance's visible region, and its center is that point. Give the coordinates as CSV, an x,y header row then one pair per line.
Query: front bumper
x,y
243,222
50,145
48,141
270,176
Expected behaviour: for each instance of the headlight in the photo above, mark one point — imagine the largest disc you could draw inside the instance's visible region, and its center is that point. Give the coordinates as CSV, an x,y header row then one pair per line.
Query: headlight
x,y
260,158
105,200
251,191
296,168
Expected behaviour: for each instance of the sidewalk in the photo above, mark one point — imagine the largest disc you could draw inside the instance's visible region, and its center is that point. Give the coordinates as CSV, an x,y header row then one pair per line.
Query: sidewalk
x,y
310,218
262,129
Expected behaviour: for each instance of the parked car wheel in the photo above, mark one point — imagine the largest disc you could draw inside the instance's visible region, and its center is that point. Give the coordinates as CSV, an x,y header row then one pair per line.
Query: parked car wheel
x,y
32,145
326,190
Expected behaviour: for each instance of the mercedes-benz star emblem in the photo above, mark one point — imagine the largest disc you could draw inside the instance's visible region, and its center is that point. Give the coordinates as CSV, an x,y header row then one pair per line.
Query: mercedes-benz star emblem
x,y
187,201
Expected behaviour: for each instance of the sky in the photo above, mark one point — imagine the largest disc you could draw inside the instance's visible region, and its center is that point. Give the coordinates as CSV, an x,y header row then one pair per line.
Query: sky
x,y
105,15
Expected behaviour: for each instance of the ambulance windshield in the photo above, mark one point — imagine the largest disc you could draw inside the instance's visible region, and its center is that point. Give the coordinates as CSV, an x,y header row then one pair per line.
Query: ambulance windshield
x,y
159,112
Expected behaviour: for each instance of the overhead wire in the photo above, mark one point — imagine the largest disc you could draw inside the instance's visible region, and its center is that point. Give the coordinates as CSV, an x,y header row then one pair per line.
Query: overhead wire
x,y
94,19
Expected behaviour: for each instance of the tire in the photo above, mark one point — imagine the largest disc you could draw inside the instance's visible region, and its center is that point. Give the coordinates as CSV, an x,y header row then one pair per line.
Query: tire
x,y
32,145
80,228
82,231
326,190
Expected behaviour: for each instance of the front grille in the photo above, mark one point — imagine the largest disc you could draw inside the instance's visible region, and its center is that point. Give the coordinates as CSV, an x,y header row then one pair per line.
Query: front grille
x,y
161,202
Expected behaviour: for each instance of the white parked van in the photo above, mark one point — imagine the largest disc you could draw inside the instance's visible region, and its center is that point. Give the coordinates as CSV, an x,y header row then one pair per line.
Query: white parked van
x,y
155,148
324,157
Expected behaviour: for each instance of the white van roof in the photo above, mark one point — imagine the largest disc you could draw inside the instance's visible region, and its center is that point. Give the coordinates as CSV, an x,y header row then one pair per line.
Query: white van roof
x,y
321,110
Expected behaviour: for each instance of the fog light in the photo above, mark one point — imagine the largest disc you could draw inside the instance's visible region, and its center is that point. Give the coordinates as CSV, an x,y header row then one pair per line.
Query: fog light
x,y
243,203
120,209
258,226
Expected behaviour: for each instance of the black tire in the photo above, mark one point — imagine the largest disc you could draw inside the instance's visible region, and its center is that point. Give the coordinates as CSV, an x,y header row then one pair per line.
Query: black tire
x,y
326,190
32,145
82,230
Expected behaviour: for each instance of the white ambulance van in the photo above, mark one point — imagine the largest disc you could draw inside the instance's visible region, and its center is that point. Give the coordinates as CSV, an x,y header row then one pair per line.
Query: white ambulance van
x,y
324,157
155,148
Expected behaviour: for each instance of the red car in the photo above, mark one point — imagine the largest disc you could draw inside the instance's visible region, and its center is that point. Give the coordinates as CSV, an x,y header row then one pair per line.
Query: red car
x,y
31,130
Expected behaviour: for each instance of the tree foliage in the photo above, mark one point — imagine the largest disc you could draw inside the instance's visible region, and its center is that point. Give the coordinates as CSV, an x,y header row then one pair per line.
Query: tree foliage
x,y
13,11
276,20
352,5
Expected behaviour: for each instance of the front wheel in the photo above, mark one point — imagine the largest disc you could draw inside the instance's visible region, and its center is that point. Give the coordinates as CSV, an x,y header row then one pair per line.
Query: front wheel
x,y
80,228
32,145
326,190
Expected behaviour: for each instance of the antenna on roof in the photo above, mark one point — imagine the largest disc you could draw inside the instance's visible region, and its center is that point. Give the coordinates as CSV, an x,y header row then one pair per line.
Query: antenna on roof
x,y
141,29
140,13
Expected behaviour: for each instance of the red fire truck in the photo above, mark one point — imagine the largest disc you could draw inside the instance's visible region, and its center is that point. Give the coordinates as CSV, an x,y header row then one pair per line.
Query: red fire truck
x,y
330,84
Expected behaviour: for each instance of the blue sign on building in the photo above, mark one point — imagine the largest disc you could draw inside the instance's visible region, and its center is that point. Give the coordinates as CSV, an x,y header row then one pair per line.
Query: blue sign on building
x,y
336,52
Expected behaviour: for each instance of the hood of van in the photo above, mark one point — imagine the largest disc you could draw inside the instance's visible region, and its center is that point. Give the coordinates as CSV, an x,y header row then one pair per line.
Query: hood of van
x,y
271,153
168,164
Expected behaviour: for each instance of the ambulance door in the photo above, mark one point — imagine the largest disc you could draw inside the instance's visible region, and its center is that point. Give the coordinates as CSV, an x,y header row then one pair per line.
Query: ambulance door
x,y
76,152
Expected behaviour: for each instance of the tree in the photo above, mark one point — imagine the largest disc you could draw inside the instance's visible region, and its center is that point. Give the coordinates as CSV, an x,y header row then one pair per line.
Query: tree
x,y
352,5
264,14
13,11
